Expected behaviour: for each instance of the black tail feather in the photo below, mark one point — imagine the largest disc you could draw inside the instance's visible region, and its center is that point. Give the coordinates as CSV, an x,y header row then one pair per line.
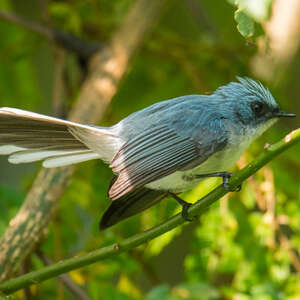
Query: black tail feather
x,y
129,205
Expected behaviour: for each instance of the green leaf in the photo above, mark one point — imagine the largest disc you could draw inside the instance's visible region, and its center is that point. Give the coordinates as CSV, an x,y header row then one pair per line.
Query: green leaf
x,y
259,10
159,293
245,24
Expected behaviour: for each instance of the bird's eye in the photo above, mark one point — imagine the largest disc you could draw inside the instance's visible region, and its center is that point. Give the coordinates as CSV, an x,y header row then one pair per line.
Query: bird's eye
x,y
258,108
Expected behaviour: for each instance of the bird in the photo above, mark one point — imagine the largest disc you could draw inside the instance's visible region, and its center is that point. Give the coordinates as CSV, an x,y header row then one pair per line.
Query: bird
x,y
157,152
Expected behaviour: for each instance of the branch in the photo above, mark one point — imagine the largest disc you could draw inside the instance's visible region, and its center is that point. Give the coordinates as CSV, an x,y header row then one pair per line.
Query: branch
x,y
84,49
59,85
146,267
202,18
198,208
107,68
34,27
75,289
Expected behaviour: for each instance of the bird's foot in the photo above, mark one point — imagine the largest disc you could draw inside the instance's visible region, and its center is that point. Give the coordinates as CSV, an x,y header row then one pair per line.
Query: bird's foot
x,y
185,213
185,207
226,176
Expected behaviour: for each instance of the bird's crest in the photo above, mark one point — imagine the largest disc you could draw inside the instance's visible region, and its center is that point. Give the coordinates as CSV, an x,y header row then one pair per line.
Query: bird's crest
x,y
256,88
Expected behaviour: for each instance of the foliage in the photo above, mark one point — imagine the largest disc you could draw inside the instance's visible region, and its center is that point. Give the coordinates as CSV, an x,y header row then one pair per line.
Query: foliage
x,y
249,11
245,24
247,245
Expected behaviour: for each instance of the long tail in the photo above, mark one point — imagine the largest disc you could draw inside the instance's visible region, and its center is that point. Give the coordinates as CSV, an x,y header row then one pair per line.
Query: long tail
x,y
28,137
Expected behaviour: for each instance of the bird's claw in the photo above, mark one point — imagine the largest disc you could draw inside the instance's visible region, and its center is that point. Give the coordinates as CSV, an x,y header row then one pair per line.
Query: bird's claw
x,y
184,212
226,184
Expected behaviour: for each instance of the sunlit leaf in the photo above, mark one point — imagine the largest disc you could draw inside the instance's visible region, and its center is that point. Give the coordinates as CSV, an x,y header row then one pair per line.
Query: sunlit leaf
x,y
126,286
245,25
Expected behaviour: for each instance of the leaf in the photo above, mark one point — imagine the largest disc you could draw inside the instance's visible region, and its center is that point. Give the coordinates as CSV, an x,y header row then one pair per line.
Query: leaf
x,y
126,286
196,290
245,24
161,292
259,10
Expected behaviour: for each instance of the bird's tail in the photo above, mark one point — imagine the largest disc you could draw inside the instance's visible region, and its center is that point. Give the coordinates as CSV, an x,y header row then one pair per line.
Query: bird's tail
x,y
28,137
130,204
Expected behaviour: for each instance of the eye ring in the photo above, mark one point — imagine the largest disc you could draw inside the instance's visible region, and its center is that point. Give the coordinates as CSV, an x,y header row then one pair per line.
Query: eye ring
x,y
258,108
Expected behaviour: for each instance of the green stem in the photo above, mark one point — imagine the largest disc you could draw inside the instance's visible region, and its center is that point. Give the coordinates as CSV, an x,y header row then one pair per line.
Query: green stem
x,y
199,207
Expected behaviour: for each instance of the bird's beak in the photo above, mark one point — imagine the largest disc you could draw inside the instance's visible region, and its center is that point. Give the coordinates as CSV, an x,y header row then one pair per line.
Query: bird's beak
x,y
281,114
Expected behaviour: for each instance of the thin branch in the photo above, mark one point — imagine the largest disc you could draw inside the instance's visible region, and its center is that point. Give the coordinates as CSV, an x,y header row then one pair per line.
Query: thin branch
x,y
25,268
58,98
198,208
32,26
76,290
107,67
198,12
84,49
284,241
147,268
44,4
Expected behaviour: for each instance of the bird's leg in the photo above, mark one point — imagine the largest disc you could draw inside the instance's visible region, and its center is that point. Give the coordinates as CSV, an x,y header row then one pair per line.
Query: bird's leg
x,y
185,206
225,176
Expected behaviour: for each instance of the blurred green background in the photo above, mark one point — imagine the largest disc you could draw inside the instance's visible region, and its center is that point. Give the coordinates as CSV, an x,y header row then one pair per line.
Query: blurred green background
x,y
247,245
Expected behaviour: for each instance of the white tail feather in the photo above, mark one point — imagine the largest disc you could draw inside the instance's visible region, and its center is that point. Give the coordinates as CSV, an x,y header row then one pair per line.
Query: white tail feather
x,y
36,155
36,116
66,160
9,149
58,146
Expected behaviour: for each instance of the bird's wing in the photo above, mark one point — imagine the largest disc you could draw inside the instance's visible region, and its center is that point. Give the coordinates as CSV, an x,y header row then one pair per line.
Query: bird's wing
x,y
181,144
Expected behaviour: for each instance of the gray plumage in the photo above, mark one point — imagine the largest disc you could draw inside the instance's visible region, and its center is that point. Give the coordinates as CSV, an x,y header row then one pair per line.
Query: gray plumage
x,y
160,148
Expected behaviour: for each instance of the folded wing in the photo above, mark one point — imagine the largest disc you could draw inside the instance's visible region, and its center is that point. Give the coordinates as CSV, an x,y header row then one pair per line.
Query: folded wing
x,y
184,142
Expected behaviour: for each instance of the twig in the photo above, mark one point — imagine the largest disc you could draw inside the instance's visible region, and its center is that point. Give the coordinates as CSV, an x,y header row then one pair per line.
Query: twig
x,y
58,105
17,20
295,261
147,268
107,68
197,11
84,49
58,90
65,279
25,267
196,209
44,11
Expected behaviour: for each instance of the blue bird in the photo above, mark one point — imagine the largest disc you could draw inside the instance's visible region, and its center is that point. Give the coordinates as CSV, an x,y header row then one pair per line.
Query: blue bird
x,y
160,151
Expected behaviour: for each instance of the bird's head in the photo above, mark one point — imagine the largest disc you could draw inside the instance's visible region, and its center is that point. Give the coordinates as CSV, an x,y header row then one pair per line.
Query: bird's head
x,y
253,104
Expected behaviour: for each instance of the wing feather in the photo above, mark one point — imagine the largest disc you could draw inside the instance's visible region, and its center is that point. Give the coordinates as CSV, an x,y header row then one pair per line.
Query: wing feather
x,y
165,149
162,167
140,143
